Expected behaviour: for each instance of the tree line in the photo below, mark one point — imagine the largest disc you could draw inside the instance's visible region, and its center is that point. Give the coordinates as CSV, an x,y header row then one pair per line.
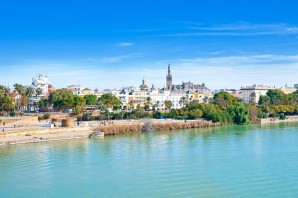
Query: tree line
x,y
223,107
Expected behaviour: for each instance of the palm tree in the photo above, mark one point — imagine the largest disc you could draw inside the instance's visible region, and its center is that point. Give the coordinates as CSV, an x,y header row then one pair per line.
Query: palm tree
x,y
158,104
131,105
29,93
38,91
183,101
7,104
19,88
23,101
205,99
21,94
168,104
100,104
2,91
148,102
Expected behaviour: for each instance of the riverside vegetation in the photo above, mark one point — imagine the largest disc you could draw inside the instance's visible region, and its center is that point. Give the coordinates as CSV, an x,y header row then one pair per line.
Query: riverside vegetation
x,y
222,108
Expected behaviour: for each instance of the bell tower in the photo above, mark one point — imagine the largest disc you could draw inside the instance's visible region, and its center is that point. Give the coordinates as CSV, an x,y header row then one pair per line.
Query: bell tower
x,y
169,78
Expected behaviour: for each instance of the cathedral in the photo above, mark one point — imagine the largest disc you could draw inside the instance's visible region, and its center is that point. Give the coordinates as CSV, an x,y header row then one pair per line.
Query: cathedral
x,y
185,86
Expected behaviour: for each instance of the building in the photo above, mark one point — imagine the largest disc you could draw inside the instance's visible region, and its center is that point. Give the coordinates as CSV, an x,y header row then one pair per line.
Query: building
x,y
86,91
233,92
97,93
42,87
169,79
296,86
76,89
41,82
251,94
288,90
80,90
132,97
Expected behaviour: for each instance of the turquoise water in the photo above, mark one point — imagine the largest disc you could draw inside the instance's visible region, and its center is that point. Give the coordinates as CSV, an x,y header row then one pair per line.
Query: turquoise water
x,y
234,161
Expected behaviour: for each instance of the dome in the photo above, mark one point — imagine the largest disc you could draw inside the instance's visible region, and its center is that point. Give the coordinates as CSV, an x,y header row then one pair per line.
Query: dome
x,y
143,86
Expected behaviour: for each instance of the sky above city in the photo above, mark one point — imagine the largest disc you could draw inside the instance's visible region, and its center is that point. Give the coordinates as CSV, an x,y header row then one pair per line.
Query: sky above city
x,y
111,44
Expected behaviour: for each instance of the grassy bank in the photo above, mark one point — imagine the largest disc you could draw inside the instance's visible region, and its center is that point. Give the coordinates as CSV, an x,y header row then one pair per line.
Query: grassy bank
x,y
153,126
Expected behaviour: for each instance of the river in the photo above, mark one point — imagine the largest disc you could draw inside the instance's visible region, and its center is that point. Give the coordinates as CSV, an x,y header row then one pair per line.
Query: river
x,y
231,161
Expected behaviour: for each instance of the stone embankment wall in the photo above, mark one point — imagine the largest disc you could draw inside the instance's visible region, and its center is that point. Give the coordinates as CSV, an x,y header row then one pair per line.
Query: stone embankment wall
x,y
19,121
40,131
276,120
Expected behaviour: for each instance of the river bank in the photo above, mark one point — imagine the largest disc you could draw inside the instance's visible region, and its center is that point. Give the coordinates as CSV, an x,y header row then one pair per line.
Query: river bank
x,y
41,134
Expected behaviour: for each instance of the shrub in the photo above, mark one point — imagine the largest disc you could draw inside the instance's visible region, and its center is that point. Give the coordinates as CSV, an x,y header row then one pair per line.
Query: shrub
x,y
46,116
12,113
273,115
282,116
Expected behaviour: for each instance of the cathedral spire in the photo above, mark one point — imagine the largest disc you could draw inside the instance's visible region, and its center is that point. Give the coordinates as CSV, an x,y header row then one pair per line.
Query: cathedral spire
x,y
169,69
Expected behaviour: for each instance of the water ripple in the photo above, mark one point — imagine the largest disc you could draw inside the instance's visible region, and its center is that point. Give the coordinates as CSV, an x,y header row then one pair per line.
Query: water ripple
x,y
233,161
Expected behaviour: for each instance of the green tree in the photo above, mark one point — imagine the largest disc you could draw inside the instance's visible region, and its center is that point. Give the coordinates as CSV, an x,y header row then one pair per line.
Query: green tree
x,y
264,100
147,104
79,104
146,107
240,113
224,99
7,103
62,99
20,89
2,91
183,101
168,104
38,91
195,113
30,92
173,113
276,97
131,105
183,112
42,103
109,101
91,99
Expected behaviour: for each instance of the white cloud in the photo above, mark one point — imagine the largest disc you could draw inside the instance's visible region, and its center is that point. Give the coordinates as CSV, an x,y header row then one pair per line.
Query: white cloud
x,y
216,72
114,59
123,44
235,29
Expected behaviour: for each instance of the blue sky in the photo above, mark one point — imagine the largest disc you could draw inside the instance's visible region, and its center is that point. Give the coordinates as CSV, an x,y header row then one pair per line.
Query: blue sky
x,y
226,44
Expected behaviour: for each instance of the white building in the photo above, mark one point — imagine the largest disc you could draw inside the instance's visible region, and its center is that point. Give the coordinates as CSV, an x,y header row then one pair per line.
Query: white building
x,y
288,90
41,82
76,89
157,97
251,94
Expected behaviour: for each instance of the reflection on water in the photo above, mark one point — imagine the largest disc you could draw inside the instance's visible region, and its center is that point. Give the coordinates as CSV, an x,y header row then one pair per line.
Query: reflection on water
x,y
229,161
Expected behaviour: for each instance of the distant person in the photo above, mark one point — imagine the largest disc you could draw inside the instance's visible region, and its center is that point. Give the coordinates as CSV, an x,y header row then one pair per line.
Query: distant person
x,y
3,130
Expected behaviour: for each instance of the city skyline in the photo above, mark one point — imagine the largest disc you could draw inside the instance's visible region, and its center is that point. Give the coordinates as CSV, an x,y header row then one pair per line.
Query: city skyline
x,y
115,44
